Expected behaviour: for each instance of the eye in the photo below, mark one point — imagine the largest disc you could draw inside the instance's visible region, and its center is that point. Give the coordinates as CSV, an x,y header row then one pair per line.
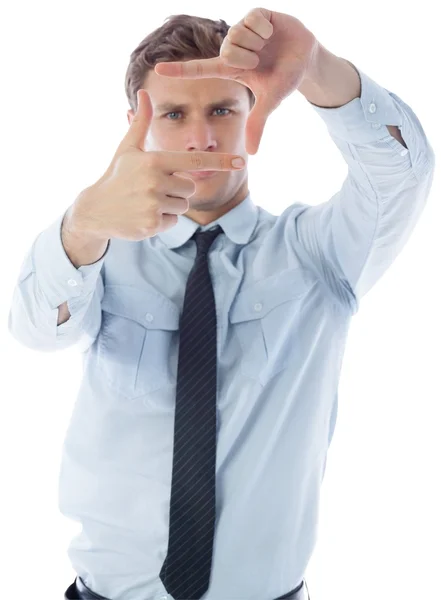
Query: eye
x,y
223,109
179,112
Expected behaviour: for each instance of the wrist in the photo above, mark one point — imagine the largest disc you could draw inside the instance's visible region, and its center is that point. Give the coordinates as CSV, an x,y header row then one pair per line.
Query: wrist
x,y
331,81
79,221
81,246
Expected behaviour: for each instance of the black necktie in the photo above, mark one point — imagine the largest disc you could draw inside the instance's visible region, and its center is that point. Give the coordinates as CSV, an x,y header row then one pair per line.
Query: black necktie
x,y
187,566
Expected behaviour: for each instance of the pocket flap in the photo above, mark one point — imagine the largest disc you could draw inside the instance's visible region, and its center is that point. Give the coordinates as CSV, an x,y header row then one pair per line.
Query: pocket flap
x,y
152,309
258,299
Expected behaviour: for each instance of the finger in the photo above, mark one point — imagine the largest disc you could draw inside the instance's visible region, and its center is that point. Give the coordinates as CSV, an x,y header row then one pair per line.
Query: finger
x,y
175,205
196,69
173,162
256,123
259,20
176,186
244,38
140,125
240,58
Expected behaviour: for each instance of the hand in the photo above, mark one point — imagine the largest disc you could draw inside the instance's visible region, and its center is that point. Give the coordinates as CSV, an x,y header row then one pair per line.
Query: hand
x,y
269,52
141,193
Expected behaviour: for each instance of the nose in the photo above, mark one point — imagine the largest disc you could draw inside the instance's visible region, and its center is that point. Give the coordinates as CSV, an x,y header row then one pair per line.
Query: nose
x,y
201,138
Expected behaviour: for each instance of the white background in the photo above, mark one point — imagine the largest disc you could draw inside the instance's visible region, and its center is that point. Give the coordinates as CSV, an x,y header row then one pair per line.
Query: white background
x,y
63,113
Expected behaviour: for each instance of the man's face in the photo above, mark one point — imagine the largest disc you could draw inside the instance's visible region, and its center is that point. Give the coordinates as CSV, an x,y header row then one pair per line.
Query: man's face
x,y
197,126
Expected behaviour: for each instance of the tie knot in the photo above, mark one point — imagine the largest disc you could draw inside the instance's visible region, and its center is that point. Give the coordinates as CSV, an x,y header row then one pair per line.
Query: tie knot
x,y
204,239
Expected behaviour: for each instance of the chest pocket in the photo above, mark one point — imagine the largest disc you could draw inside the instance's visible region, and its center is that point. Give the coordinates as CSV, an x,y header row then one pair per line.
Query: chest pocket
x,y
134,345
266,318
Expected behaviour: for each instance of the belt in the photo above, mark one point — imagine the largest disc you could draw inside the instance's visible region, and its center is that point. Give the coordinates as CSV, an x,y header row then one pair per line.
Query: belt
x,y
78,590
299,593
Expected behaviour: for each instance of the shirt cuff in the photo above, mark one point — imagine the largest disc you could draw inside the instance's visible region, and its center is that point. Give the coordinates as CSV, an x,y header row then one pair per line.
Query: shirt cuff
x,y
58,278
363,119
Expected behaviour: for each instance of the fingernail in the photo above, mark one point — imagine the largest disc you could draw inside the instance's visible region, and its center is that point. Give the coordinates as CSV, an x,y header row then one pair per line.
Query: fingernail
x,y
238,162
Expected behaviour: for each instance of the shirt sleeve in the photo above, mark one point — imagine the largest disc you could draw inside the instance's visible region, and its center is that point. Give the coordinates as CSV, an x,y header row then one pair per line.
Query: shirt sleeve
x,y
353,238
47,278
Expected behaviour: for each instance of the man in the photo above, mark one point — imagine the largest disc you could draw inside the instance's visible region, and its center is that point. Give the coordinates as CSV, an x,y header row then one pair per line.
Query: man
x,y
198,442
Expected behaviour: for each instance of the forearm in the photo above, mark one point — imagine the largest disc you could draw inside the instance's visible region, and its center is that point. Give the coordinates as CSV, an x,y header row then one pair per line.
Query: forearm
x,y
46,284
333,82
81,248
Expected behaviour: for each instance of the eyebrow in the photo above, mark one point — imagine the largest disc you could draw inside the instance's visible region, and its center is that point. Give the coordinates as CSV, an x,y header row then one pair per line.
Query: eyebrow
x,y
171,106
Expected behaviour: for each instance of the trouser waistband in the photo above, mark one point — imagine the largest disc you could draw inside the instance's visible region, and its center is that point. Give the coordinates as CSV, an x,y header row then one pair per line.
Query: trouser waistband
x,y
79,591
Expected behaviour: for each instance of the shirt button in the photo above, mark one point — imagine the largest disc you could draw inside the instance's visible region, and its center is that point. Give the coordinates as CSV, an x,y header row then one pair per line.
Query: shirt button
x,y
149,318
72,282
404,152
372,108
258,306
376,125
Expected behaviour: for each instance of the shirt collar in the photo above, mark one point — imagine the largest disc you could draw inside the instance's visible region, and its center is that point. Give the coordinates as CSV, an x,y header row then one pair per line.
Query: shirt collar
x,y
238,224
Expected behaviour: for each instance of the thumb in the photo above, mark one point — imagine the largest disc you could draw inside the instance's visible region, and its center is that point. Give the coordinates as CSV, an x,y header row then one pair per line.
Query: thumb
x,y
256,123
139,127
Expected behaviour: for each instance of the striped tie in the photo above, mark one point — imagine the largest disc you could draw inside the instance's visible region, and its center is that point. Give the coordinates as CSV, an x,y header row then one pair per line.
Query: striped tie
x,y
187,566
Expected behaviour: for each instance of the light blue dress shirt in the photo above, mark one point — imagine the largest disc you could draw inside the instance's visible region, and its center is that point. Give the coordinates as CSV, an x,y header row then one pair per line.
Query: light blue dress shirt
x,y
286,288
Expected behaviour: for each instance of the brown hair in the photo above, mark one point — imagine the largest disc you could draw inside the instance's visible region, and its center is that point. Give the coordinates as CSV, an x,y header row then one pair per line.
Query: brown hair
x,y
182,37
